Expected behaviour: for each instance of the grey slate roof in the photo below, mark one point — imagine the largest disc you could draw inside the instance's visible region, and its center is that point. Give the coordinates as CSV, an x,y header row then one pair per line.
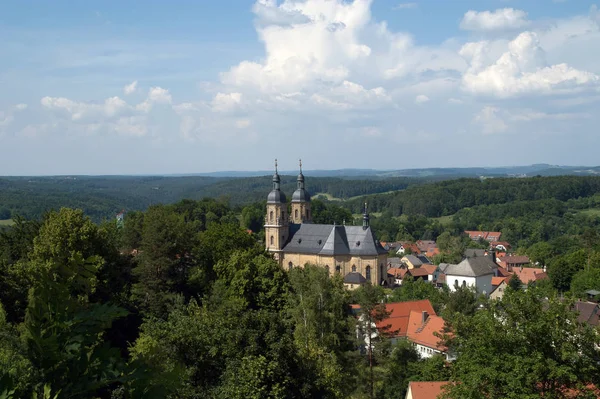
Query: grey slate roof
x,y
470,267
354,278
300,195
324,239
473,252
276,197
414,260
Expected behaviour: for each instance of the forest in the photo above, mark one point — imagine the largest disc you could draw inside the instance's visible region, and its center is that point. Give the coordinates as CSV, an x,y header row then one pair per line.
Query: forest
x,y
181,301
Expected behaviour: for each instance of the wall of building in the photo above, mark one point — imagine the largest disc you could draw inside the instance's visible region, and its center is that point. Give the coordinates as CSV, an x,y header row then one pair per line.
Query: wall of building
x,y
344,262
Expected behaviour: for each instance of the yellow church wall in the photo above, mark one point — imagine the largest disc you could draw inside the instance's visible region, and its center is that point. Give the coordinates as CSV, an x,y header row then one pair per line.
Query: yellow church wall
x,y
345,263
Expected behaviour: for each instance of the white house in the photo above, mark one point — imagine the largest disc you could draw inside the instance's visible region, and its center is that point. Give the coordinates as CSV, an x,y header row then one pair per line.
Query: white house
x,y
471,272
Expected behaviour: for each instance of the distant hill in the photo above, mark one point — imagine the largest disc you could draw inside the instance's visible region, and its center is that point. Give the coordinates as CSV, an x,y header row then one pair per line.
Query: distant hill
x,y
504,171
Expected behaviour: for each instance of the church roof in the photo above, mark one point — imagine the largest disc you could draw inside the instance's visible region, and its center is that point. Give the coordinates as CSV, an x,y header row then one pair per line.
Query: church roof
x,y
470,267
324,239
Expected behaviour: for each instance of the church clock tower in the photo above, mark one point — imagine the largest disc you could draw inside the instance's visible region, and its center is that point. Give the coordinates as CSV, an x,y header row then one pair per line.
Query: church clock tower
x,y
277,227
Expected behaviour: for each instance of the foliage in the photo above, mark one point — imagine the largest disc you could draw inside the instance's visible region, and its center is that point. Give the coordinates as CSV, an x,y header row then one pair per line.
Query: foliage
x,y
539,341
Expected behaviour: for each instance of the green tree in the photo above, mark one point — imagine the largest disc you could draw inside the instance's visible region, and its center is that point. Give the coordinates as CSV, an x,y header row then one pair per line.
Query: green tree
x,y
514,282
524,332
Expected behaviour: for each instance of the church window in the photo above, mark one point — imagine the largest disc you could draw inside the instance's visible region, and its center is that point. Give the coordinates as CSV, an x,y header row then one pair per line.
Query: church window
x,y
338,269
271,216
368,273
272,240
290,266
464,283
353,268
327,268
455,283
381,271
296,213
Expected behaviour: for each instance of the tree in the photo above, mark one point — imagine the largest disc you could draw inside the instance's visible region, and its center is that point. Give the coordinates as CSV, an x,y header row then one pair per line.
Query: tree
x,y
523,346
414,290
514,282
585,280
372,311
541,252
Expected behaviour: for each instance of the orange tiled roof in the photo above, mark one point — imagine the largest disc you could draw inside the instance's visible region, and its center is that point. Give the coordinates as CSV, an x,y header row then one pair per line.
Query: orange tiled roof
x,y
397,271
430,268
529,274
503,272
497,281
431,252
424,333
397,322
426,389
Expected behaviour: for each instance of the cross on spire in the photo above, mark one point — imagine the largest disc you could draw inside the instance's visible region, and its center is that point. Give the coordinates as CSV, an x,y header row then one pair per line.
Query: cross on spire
x,y
275,165
300,160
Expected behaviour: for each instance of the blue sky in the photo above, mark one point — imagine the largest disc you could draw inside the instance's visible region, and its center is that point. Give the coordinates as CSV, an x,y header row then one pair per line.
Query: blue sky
x,y
141,87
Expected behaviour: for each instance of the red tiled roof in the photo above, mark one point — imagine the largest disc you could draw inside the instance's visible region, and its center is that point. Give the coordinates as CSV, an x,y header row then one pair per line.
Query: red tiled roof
x,y
497,281
528,274
426,389
431,252
424,333
397,322
430,268
397,271
486,235
503,272
419,272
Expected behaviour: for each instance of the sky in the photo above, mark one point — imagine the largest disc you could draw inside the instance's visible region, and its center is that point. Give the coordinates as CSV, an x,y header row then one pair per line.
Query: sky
x,y
157,87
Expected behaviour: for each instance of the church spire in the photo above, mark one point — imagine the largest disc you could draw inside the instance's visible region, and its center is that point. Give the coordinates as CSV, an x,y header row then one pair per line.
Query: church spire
x,y
276,180
365,218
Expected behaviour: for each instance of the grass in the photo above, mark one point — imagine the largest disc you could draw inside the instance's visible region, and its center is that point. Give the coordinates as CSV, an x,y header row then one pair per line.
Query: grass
x,y
7,222
591,212
444,220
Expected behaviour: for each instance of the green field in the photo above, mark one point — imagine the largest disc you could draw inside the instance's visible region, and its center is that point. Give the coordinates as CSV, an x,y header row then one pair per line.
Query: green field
x,y
591,212
7,222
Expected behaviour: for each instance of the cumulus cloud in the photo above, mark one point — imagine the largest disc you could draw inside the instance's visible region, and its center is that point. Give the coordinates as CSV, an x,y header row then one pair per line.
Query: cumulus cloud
x,y
520,70
489,120
21,107
130,88
224,102
156,95
421,98
501,19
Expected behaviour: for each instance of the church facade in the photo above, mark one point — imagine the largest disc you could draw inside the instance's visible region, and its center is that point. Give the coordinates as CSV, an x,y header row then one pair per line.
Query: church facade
x,y
295,241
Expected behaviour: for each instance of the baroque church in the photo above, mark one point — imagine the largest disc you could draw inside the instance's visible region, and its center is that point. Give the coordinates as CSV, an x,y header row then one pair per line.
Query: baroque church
x,y
295,241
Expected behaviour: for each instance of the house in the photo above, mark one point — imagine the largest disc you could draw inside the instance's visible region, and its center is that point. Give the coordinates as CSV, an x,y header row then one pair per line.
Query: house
x,y
511,262
428,273
471,272
411,261
424,259
425,389
407,246
529,275
399,312
395,275
588,312
425,245
431,252
424,332
484,235
499,285
500,245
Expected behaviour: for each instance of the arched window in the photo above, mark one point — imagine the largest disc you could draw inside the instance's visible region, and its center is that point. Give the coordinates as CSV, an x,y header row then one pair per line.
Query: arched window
x,y
272,240
327,269
368,273
296,213
271,216
353,268
338,269
290,266
455,283
464,283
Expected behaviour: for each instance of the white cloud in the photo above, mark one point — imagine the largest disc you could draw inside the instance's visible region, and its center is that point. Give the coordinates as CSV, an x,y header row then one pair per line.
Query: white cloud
x,y
243,123
489,121
501,19
421,98
224,102
130,88
453,100
520,70
156,95
112,107
21,107
405,6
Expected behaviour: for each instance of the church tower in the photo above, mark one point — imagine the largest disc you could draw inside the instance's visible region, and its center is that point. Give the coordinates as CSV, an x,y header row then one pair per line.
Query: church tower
x,y
301,202
277,227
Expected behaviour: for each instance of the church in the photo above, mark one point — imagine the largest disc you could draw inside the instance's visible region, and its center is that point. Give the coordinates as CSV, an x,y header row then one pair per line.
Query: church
x,y
295,241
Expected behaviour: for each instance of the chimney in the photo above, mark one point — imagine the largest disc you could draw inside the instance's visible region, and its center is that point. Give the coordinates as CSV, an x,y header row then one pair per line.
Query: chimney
x,y
425,316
